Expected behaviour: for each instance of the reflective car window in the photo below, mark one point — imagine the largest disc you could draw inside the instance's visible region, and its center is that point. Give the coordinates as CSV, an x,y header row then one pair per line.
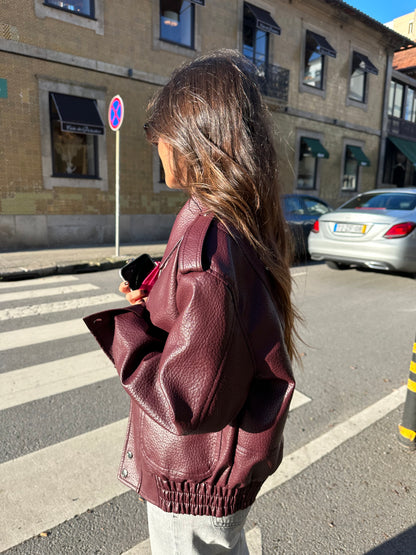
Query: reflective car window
x,y
383,201
292,205
315,208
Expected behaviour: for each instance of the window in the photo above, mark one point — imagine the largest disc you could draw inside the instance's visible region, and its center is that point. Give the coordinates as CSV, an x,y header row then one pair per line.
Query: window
x,y
255,41
73,142
257,26
177,22
354,158
410,106
316,48
358,81
75,124
395,201
314,207
88,14
159,185
400,162
309,153
78,7
351,171
360,67
402,102
396,99
410,30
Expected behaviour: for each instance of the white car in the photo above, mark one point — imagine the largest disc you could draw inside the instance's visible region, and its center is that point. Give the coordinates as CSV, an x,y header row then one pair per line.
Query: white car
x,y
376,229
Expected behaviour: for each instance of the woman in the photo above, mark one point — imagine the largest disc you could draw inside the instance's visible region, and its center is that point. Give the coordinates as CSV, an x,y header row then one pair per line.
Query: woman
x,y
205,357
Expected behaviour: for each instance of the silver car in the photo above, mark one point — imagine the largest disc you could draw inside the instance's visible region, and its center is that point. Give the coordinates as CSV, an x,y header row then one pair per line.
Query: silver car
x,y
376,229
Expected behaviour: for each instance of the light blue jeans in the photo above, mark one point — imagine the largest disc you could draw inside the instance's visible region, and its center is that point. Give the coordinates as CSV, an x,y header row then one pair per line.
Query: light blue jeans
x,y
174,534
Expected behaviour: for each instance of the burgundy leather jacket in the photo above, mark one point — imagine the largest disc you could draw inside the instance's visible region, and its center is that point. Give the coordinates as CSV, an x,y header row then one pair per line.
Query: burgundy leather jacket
x,y
207,372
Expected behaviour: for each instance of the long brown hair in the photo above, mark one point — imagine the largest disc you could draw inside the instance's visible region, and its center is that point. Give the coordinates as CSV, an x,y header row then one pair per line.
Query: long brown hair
x,y
212,114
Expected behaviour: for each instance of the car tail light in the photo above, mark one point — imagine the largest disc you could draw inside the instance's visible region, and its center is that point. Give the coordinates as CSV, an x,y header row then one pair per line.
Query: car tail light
x,y
315,228
400,230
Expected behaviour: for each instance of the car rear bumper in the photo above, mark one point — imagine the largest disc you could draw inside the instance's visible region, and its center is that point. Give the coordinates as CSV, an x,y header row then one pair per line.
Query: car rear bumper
x,y
385,255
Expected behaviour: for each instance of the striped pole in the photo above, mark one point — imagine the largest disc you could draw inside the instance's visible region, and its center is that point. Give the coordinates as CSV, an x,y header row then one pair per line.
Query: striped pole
x,y
407,430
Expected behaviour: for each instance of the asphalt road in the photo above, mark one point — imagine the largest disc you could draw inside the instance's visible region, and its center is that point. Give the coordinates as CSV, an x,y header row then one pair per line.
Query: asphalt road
x,y
346,484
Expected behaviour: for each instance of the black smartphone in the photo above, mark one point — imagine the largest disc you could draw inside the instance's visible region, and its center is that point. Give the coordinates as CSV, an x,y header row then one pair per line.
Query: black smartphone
x,y
135,271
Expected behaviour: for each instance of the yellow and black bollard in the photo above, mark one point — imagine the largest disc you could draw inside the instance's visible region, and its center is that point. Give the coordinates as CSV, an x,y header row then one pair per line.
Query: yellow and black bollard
x,y
407,430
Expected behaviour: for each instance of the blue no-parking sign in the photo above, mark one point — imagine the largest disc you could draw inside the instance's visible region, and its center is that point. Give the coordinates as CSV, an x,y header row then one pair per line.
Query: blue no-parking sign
x,y
116,113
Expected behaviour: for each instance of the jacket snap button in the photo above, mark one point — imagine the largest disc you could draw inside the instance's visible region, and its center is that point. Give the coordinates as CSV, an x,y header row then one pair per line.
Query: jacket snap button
x,y
124,473
129,454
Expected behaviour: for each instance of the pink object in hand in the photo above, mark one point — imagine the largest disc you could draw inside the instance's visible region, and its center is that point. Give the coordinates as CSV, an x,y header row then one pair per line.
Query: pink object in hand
x,y
151,278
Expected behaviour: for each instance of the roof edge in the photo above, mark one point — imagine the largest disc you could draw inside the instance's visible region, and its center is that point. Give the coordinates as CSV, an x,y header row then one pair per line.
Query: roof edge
x,y
399,41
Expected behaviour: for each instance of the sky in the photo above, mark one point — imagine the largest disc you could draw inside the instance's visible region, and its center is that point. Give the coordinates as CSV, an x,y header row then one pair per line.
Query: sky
x,y
384,10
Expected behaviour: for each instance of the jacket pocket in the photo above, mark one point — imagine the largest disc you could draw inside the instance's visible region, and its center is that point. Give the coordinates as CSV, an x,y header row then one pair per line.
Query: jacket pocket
x,y
190,457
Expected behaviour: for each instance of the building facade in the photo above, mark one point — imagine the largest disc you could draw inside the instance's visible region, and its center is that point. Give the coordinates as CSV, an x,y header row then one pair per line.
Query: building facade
x,y
405,25
400,148
324,68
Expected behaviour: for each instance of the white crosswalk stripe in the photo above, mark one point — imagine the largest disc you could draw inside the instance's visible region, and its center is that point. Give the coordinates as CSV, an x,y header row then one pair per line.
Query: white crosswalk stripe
x,y
51,292
74,475
40,334
60,306
26,284
50,378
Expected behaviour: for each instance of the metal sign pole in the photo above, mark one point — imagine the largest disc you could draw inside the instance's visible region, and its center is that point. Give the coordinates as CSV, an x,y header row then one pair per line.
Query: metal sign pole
x,y
117,193
115,119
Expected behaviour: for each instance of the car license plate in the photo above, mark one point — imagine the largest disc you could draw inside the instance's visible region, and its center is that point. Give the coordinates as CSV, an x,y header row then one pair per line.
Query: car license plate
x,y
350,228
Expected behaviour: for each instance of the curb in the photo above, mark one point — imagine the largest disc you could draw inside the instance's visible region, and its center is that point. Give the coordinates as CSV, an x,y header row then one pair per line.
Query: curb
x,y
81,267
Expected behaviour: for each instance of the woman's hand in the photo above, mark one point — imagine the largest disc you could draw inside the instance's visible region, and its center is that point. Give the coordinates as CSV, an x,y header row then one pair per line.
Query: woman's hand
x,y
138,296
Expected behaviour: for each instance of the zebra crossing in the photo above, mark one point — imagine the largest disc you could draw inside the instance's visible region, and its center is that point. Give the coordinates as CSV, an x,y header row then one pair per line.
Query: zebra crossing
x,y
52,484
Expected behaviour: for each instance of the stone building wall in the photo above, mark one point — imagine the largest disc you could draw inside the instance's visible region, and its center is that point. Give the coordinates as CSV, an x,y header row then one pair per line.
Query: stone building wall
x,y
44,50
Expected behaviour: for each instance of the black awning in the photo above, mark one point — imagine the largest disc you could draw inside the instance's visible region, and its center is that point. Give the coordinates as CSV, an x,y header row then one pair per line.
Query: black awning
x,y
323,45
200,2
78,114
361,61
264,20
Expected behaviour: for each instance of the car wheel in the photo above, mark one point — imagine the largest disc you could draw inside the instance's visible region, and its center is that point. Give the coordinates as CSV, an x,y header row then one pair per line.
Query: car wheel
x,y
336,265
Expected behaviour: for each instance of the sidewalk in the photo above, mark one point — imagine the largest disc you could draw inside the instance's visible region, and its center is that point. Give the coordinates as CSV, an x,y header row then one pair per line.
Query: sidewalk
x,y
39,263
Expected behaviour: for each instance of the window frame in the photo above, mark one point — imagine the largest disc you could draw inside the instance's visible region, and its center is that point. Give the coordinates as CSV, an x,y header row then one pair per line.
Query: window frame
x,y
192,30
96,23
321,57
362,104
159,186
300,134
246,17
47,86
303,87
364,98
345,144
173,47
55,118
91,15
412,117
391,103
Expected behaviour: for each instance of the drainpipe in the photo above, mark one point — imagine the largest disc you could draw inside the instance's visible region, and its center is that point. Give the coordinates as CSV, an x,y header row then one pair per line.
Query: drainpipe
x,y
385,119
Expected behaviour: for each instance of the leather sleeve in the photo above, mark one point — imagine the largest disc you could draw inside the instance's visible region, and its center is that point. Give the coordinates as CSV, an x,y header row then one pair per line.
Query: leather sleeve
x,y
194,379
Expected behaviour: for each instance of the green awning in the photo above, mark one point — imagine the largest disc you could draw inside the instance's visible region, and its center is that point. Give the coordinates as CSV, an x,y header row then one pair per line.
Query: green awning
x,y
315,148
408,148
358,155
